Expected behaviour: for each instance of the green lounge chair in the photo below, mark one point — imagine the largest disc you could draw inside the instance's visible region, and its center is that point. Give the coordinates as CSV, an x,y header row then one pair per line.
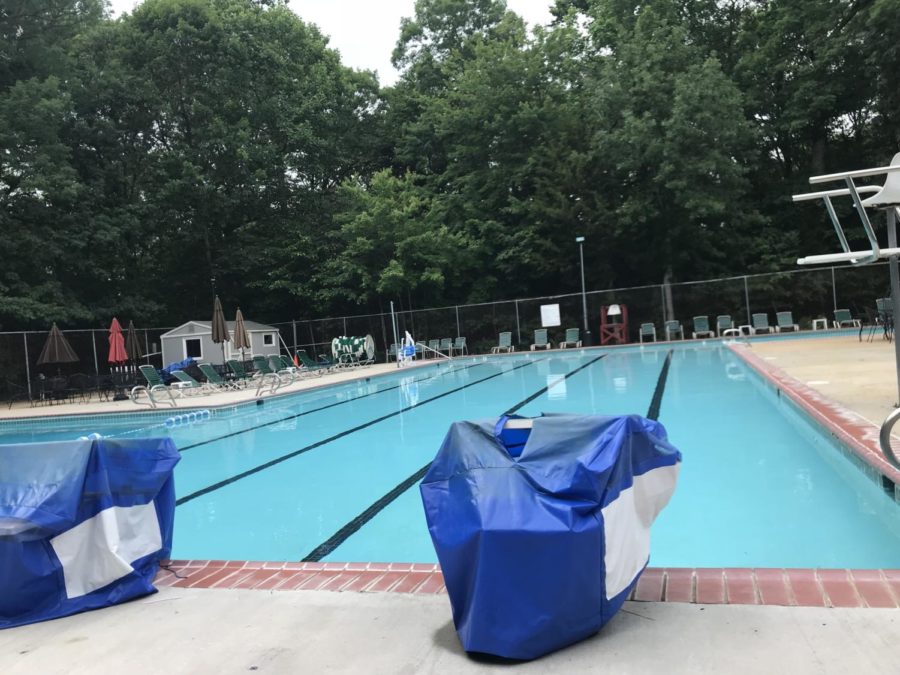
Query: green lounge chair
x,y
647,330
573,337
540,339
155,385
843,319
723,323
241,376
785,321
311,366
701,327
214,380
761,323
674,327
504,344
188,385
282,366
459,345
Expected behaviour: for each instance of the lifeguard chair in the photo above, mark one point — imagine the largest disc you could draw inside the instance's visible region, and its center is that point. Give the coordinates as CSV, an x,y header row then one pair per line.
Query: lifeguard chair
x,y
885,198
613,324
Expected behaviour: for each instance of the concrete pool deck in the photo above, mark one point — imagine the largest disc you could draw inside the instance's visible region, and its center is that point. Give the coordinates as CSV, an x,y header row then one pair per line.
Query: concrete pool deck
x,y
232,631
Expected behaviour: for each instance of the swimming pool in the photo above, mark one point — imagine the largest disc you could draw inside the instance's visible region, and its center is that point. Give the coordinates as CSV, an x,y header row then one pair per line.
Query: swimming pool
x,y
332,474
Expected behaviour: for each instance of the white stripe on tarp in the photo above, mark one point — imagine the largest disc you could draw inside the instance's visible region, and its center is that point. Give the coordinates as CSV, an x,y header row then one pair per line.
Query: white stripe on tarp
x,y
627,522
101,549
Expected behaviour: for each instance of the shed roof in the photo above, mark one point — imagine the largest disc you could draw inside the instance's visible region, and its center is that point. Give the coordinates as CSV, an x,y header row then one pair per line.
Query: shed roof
x,y
205,328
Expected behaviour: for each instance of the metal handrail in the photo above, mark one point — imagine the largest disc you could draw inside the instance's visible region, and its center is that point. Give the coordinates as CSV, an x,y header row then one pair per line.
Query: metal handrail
x,y
884,438
441,354
861,173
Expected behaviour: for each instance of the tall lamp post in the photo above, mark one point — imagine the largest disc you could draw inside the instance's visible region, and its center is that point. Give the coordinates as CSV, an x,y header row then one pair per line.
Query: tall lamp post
x,y
587,331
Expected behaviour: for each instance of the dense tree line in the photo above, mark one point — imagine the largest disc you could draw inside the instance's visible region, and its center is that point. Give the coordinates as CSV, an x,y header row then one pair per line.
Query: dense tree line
x,y
196,146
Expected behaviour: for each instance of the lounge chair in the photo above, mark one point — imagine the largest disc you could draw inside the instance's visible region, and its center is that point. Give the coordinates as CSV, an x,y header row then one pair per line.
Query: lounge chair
x,y
843,319
282,365
241,376
188,384
785,321
263,367
573,338
459,345
647,330
761,323
701,327
392,352
540,339
155,385
311,366
214,380
434,346
723,323
446,347
504,344
674,327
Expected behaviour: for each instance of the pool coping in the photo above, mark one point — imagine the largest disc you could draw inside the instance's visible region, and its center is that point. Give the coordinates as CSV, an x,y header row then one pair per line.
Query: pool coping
x,y
872,588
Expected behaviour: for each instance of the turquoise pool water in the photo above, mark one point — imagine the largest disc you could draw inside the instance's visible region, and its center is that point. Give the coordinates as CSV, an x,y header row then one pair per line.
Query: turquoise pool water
x,y
333,473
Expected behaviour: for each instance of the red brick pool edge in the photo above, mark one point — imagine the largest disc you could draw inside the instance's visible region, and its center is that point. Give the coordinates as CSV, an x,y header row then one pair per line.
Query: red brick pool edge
x,y
705,586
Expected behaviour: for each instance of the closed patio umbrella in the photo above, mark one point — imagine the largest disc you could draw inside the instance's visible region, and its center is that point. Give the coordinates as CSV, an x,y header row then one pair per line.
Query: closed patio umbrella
x,y
241,339
117,353
132,344
57,349
117,357
219,328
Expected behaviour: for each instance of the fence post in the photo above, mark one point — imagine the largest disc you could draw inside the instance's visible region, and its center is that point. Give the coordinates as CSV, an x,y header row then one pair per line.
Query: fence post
x,y
345,326
294,326
662,297
833,289
518,330
94,343
27,366
747,300
458,333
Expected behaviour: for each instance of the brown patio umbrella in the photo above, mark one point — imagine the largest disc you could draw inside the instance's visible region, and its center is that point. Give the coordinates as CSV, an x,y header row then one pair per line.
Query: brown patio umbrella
x,y
241,339
132,344
219,328
57,349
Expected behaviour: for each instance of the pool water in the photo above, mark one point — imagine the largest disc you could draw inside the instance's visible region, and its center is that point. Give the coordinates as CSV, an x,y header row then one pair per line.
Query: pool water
x,y
332,474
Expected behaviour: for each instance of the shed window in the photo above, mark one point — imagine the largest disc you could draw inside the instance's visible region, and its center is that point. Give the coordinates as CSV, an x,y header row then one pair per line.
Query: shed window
x,y
193,348
269,339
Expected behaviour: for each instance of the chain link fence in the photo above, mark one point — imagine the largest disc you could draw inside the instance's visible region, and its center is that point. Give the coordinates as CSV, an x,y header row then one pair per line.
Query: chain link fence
x,y
808,293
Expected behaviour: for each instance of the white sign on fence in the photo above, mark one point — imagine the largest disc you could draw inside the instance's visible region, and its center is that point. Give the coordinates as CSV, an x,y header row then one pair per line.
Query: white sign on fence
x,y
549,316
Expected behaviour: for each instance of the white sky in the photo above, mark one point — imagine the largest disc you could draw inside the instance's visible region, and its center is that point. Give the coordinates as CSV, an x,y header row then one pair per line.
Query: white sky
x,y
365,31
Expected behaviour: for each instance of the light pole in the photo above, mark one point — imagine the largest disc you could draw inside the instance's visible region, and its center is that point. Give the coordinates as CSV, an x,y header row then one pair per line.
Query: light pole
x,y
587,330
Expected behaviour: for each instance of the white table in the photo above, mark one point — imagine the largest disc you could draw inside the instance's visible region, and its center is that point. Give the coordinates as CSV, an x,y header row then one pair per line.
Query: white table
x,y
820,324
747,330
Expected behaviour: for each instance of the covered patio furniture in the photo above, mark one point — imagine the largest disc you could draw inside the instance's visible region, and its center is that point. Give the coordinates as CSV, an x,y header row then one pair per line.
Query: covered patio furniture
x,y
701,327
673,328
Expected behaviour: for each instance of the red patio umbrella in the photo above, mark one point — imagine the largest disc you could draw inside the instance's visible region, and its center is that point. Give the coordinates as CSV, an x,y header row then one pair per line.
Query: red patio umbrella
x,y
117,353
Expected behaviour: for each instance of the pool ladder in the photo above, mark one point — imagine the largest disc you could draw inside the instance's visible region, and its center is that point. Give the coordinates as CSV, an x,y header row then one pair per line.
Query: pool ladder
x,y
884,438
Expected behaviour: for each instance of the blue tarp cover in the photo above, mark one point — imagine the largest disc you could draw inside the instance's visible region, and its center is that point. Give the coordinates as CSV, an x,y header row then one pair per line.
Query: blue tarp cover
x,y
541,533
83,524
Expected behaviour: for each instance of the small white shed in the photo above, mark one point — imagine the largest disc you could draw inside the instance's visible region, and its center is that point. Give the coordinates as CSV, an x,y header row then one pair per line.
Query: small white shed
x,y
194,339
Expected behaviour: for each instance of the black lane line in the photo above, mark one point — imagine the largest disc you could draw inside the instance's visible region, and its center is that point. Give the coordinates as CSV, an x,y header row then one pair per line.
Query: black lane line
x,y
354,525
543,391
656,401
347,432
324,407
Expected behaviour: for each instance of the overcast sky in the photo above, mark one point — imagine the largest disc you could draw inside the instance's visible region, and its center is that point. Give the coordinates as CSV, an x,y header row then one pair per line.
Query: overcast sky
x,y
365,31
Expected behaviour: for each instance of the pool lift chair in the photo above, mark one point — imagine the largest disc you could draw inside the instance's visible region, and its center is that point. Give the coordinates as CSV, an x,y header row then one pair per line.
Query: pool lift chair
x,y
885,198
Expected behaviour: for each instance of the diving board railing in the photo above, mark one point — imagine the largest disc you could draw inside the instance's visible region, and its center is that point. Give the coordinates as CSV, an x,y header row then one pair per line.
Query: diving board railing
x,y
884,198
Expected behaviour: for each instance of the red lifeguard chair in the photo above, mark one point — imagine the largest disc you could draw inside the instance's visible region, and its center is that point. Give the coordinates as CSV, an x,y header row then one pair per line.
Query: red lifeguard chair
x,y
613,324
